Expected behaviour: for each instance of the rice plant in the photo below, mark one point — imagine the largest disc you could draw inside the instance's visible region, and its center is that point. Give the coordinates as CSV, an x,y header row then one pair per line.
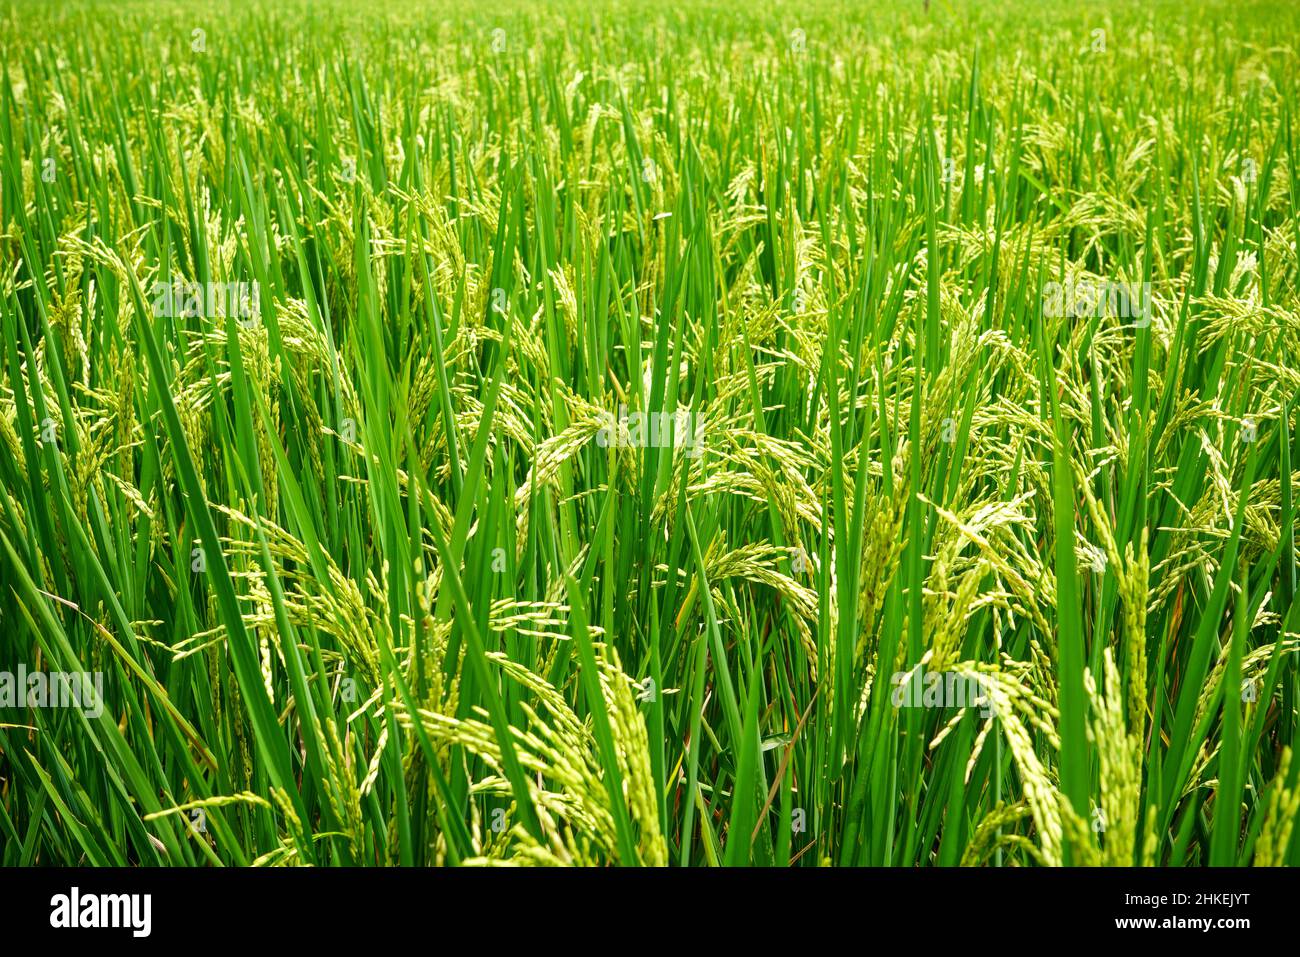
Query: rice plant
x,y
584,433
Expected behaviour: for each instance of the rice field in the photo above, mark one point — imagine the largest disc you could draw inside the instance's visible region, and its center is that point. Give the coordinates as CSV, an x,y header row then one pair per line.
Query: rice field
x,y
694,434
